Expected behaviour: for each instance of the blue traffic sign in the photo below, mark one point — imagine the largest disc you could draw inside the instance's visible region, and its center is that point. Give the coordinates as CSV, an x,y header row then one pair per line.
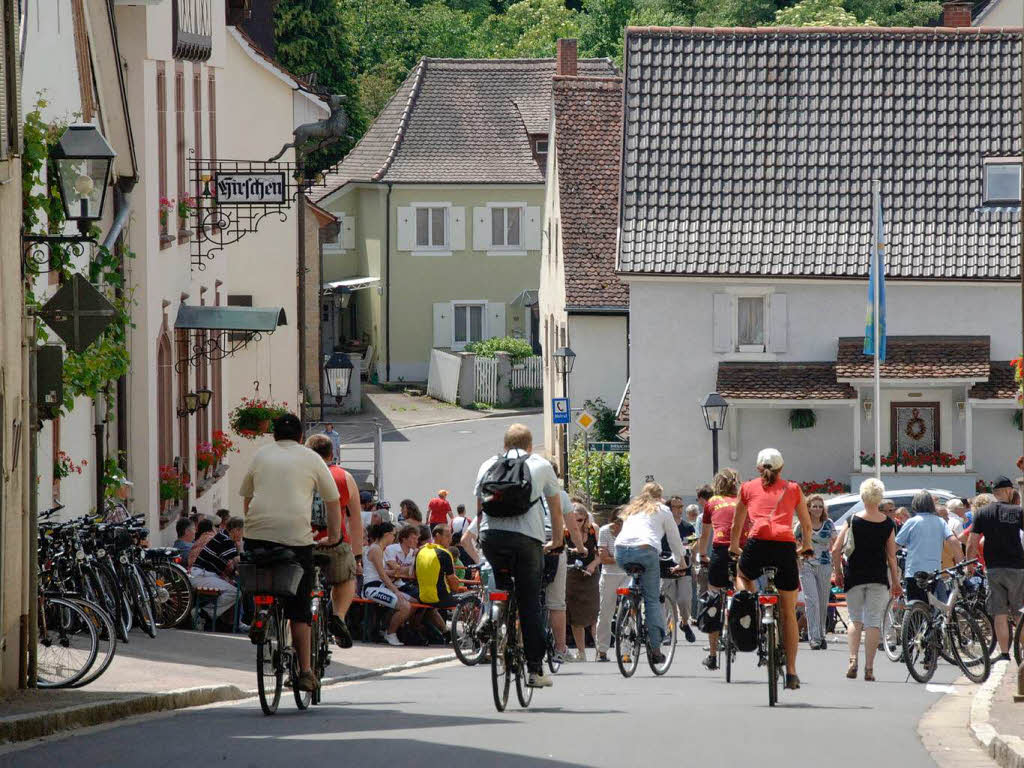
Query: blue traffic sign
x,y
560,410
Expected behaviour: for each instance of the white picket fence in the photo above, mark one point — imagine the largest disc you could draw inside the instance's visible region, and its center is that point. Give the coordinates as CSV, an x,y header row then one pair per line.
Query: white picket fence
x,y
485,374
528,373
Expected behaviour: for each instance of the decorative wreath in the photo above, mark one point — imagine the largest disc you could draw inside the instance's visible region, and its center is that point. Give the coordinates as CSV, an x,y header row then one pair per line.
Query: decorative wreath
x,y
916,426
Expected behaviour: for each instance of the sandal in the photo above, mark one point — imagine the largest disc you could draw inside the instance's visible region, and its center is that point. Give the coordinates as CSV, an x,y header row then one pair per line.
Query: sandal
x,y
851,670
869,675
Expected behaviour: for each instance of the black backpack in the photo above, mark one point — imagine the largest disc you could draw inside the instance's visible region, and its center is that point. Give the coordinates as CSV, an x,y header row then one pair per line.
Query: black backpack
x,y
507,490
709,612
743,621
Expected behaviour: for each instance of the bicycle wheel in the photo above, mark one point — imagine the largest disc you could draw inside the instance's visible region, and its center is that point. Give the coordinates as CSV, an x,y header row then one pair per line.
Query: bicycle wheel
x,y
465,643
969,645
773,665
67,644
1018,641
670,616
106,640
108,594
523,691
627,636
142,602
892,628
269,672
172,594
919,651
500,676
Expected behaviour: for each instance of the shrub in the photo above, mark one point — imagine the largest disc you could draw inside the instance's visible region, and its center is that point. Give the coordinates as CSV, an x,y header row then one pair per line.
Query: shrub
x,y
604,429
608,474
517,349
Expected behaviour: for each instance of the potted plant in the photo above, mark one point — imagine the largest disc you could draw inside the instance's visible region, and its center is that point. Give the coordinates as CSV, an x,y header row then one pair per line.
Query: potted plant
x,y
186,206
867,462
206,459
252,418
948,462
173,485
63,466
802,418
222,445
166,204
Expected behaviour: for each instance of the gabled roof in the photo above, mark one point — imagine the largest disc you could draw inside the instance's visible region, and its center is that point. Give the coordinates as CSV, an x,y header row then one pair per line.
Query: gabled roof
x,y
272,65
782,381
588,137
752,151
917,357
459,121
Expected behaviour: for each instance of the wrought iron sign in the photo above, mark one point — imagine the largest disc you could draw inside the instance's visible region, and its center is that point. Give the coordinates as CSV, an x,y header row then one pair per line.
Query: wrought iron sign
x,y
234,198
207,346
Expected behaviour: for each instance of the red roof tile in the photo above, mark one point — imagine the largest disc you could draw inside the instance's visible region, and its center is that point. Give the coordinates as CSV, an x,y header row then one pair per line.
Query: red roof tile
x,y
917,357
1001,384
782,381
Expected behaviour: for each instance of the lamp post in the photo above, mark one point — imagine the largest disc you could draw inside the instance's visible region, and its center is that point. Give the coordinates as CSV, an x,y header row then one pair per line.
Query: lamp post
x,y
565,358
714,408
338,373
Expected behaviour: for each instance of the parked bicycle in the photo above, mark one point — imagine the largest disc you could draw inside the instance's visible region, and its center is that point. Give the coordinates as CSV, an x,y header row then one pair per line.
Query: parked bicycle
x,y
630,632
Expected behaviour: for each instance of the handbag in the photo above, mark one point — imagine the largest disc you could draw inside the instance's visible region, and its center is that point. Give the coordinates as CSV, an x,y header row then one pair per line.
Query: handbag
x,y
849,544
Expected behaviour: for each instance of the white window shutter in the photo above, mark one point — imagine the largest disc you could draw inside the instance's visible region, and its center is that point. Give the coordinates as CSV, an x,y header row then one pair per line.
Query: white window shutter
x,y
458,241
443,324
778,334
495,320
348,232
406,228
532,241
481,228
722,322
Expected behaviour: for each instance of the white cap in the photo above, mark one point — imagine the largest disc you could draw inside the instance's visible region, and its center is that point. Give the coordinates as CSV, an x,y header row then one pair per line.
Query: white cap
x,y
769,457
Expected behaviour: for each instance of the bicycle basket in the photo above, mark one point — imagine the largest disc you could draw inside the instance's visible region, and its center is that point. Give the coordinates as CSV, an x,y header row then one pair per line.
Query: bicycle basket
x,y
280,580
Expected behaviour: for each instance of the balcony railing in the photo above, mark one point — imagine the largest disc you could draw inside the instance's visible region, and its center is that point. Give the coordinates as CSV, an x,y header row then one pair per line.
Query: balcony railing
x,y
193,29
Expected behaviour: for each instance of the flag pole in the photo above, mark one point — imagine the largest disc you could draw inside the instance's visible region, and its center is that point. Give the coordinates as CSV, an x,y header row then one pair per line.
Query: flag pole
x,y
877,324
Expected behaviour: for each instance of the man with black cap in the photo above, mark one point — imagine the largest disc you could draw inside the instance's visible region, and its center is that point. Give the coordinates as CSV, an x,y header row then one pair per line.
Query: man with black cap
x,y
1001,524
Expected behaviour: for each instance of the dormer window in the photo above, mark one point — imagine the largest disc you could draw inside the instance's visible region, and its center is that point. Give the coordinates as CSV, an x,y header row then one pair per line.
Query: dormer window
x,y
542,146
1002,181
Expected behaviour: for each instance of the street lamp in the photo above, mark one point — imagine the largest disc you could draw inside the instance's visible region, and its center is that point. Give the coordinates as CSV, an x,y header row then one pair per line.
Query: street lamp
x,y
82,160
204,395
338,371
565,358
714,408
190,403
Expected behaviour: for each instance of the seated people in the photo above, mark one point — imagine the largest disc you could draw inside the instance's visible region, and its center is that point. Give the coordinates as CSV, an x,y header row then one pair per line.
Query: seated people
x,y
400,557
186,537
435,574
215,564
377,584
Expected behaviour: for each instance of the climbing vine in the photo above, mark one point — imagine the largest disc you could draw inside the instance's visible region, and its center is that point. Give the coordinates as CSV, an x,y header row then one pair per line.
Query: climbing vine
x,y
89,373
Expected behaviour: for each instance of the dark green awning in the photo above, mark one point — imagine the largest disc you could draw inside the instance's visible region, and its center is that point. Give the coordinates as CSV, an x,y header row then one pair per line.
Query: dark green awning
x,y
265,319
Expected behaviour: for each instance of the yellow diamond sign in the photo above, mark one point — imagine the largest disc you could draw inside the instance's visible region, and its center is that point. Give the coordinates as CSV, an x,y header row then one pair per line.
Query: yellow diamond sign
x,y
585,421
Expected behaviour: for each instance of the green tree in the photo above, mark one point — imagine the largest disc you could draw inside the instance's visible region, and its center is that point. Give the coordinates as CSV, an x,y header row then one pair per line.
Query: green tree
x,y
817,13
528,29
896,13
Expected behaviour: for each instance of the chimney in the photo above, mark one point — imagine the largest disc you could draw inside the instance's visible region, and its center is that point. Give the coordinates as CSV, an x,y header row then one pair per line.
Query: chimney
x,y
956,13
565,62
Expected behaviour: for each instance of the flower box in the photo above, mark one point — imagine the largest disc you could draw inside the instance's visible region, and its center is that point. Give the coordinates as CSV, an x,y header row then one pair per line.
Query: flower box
x,y
956,469
869,469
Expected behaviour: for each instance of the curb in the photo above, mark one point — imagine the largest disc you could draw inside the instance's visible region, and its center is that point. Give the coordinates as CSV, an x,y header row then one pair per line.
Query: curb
x,y
37,725
1007,751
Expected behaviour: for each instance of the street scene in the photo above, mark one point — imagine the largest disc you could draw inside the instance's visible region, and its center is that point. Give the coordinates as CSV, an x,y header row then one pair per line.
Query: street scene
x,y
526,382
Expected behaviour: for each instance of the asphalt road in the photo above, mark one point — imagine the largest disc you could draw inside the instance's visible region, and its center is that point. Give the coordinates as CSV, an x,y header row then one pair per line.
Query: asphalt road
x,y
444,716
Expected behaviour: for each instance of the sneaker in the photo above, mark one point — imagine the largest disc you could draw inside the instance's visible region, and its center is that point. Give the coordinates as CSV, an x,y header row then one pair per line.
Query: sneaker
x,y
688,634
571,657
539,680
307,682
558,657
392,639
656,656
1003,657
602,656
339,629
823,645
711,662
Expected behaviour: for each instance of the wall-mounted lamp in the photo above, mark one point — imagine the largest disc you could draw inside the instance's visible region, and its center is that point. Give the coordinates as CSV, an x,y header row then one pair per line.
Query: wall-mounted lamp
x,y
190,403
868,405
961,409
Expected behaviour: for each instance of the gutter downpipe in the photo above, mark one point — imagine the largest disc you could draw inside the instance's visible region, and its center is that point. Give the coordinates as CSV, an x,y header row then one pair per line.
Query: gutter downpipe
x,y
387,288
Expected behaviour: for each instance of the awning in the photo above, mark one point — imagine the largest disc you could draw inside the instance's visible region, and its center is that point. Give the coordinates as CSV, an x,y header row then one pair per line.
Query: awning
x,y
349,284
202,318
782,381
527,298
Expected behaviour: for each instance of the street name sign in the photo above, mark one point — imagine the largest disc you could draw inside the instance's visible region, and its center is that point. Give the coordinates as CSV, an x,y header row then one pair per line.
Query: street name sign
x,y
560,410
609,447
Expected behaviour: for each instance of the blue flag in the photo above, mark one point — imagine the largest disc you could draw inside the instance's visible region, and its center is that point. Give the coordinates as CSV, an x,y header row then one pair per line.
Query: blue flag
x,y
877,271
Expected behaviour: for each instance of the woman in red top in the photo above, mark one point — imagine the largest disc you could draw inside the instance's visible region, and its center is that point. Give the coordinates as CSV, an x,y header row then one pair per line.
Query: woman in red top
x,y
770,502
716,524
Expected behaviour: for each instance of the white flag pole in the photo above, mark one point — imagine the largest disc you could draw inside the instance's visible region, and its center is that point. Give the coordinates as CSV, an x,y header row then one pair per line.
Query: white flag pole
x,y
877,324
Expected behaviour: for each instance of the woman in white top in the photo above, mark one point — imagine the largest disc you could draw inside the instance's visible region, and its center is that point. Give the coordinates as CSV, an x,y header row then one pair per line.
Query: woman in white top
x,y
644,521
377,584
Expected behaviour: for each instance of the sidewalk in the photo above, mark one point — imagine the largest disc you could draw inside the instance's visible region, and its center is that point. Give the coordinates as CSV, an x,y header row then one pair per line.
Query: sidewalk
x,y
180,669
997,722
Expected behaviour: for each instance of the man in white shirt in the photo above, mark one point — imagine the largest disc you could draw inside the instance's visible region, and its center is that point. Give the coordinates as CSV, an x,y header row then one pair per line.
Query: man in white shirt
x,y
612,577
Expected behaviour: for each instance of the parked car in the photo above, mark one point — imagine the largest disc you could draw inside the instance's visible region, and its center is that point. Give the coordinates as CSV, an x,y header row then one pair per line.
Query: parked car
x,y
840,508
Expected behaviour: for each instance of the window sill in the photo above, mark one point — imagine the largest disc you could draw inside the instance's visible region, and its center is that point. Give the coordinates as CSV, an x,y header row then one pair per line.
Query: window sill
x,y
506,252
431,252
750,357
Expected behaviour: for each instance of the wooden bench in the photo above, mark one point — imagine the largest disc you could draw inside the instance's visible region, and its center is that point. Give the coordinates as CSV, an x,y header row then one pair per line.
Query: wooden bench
x,y
371,611
205,597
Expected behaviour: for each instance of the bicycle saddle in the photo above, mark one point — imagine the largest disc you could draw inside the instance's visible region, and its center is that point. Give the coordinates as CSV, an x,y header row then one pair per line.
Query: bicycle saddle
x,y
635,569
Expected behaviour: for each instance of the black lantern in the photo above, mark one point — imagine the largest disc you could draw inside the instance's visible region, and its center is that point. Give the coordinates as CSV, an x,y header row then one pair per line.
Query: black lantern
x,y
190,404
338,371
82,160
714,408
204,395
564,360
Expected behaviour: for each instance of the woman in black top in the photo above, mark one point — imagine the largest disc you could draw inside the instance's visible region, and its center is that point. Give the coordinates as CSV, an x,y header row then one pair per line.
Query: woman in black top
x,y
871,574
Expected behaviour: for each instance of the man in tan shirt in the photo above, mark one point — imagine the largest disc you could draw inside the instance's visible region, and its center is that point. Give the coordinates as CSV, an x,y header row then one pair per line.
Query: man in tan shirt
x,y
277,493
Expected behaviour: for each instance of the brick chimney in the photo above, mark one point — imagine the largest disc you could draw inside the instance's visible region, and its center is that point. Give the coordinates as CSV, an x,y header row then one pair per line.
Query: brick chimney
x,y
956,13
565,61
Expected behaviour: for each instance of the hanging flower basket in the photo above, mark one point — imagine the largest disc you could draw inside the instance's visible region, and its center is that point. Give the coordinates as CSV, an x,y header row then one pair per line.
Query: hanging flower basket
x,y
802,418
252,418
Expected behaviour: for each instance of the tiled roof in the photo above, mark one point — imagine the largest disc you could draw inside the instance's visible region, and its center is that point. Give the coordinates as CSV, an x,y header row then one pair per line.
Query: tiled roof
x,y
588,140
1000,385
752,151
622,417
456,121
917,357
782,381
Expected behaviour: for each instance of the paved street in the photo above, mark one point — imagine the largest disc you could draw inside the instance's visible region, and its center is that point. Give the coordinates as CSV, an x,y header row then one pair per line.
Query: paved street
x,y
592,717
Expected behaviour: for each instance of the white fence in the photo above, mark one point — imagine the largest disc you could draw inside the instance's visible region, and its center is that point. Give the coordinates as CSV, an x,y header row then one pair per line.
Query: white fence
x,y
485,376
443,378
528,373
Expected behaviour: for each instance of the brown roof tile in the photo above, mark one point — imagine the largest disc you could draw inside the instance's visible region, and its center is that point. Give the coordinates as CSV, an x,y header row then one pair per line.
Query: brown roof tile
x,y
917,357
1001,384
588,141
782,381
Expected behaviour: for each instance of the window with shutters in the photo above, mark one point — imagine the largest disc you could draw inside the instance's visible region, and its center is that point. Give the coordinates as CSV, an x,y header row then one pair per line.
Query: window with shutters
x,y
197,120
467,323
164,401
751,333
179,144
750,322
431,227
507,227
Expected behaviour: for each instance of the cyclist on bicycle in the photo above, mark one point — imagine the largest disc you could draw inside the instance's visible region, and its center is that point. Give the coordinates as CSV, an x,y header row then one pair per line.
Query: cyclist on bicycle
x,y
514,543
277,493
645,520
770,502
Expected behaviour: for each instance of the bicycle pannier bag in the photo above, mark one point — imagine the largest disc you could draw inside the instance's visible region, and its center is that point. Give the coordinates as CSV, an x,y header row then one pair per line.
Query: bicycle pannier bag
x,y
507,490
709,612
743,621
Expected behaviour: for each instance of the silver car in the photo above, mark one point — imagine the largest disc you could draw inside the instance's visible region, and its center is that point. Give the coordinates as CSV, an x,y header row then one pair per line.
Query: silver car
x,y
840,508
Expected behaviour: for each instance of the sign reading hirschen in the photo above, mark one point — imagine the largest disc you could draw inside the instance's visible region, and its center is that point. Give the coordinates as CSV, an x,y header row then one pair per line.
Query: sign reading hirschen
x,y
250,188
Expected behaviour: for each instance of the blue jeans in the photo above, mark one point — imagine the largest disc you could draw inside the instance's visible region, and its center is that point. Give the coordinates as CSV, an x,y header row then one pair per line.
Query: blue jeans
x,y
650,582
